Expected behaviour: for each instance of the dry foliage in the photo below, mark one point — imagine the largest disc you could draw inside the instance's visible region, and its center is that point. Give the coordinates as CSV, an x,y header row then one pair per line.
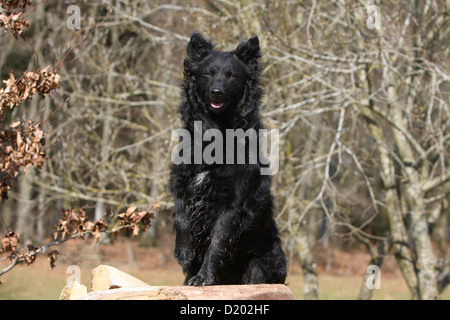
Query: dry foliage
x,y
9,242
74,223
134,217
11,16
22,145
41,81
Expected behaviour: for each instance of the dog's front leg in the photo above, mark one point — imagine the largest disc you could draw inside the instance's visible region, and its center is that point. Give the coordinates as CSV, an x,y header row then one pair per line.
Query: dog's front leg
x,y
224,238
184,247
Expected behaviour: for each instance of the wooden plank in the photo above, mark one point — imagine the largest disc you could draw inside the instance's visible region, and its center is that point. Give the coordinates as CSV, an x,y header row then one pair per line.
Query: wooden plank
x,y
230,292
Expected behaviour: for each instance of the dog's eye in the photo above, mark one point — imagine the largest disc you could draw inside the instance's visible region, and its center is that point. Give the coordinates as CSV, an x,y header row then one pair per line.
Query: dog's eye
x,y
231,76
208,74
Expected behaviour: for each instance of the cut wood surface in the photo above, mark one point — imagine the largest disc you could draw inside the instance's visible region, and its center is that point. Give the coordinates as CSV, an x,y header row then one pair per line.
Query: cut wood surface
x,y
106,277
109,283
73,291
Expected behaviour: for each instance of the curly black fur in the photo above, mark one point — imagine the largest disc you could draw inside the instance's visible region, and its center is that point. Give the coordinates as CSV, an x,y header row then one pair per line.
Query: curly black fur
x,y
223,220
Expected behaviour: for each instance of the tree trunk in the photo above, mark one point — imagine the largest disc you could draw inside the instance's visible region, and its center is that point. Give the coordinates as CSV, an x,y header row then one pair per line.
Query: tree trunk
x,y
399,235
425,259
24,224
308,266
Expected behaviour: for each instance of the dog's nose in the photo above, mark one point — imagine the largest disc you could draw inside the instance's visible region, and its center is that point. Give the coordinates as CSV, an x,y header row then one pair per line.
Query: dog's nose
x,y
216,94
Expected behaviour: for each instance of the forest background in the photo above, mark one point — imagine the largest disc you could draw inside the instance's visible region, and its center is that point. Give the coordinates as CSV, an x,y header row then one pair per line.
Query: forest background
x,y
359,91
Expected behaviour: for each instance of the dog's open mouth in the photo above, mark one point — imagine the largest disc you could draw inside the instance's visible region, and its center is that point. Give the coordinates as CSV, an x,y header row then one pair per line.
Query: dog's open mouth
x,y
217,105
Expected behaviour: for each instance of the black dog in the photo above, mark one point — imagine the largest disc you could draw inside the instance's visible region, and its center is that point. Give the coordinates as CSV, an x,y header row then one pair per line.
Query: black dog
x,y
223,220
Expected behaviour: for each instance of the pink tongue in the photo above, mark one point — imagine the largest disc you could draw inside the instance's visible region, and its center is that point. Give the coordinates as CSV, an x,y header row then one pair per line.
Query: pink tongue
x,y
216,105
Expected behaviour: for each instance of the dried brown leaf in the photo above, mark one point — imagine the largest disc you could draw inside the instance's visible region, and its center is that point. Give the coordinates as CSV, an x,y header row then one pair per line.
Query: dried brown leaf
x,y
10,242
10,17
52,256
28,254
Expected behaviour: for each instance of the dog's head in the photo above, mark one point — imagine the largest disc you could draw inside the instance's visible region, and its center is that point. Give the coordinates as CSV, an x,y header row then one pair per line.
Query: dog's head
x,y
220,78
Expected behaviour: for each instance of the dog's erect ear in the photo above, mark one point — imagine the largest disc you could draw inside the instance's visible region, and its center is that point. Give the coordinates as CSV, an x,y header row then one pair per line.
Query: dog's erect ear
x,y
248,51
198,48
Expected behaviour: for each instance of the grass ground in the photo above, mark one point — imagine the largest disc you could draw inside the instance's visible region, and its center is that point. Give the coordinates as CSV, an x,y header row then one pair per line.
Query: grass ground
x,y
38,282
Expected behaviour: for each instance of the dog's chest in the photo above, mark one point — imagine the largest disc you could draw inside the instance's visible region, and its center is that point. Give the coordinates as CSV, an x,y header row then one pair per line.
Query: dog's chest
x,y
199,178
208,193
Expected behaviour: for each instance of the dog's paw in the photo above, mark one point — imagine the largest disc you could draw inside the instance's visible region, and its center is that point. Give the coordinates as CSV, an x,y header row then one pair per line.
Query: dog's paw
x,y
200,280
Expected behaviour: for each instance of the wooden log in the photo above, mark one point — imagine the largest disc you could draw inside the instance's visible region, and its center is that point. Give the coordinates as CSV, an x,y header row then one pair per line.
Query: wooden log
x,y
230,292
106,277
73,291
109,283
